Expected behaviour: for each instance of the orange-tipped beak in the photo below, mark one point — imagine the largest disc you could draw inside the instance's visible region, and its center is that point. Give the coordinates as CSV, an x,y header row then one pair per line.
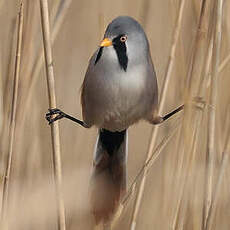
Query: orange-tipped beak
x,y
106,42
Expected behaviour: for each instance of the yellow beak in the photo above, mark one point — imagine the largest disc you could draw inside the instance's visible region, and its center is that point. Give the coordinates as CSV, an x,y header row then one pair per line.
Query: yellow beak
x,y
106,42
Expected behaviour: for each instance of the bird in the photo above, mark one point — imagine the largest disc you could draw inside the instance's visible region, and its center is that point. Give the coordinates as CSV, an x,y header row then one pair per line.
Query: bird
x,y
119,89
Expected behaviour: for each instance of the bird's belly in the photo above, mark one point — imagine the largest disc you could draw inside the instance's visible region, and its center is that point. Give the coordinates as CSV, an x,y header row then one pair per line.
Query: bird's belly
x,y
125,104
115,100
118,121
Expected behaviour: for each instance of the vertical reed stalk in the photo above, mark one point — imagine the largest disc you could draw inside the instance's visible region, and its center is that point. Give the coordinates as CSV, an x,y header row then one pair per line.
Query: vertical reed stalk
x,y
212,109
57,15
5,194
217,191
192,119
52,104
162,102
197,135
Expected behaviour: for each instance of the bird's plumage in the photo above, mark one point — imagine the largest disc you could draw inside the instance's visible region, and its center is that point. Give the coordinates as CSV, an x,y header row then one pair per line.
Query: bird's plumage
x,y
108,181
119,89
114,98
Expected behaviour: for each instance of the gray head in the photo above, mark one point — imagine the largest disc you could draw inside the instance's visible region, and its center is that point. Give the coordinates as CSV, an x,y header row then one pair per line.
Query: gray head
x,y
124,25
126,36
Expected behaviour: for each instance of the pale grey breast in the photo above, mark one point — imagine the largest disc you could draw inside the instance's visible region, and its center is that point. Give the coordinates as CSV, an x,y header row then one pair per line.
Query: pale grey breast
x,y
115,99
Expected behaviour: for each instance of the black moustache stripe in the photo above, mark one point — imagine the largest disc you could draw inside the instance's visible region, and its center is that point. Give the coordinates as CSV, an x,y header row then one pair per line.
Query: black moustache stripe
x,y
121,51
120,48
98,55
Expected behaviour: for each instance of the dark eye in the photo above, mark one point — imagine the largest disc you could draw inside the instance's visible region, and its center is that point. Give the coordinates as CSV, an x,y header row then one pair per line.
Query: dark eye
x,y
123,38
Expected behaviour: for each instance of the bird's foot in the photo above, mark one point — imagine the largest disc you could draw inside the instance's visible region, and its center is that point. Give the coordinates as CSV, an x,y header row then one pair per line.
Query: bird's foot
x,y
50,115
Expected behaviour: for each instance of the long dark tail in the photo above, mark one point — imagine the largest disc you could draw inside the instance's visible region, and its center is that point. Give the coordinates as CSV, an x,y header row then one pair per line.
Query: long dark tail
x,y
108,180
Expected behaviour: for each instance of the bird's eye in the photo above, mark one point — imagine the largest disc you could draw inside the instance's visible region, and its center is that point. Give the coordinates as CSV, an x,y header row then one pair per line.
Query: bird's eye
x,y
123,38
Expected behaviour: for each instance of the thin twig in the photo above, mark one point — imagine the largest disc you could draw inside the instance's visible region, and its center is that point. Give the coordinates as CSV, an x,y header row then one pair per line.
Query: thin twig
x,y
162,102
52,104
6,181
212,109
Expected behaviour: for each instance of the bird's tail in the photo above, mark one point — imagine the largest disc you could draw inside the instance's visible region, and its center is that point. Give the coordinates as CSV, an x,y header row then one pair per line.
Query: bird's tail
x,y
108,180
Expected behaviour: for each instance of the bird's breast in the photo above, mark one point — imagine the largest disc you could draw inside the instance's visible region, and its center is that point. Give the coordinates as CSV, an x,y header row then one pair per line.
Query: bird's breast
x,y
114,99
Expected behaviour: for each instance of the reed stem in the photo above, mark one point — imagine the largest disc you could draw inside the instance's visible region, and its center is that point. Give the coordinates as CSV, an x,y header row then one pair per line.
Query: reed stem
x,y
5,193
161,104
52,104
212,110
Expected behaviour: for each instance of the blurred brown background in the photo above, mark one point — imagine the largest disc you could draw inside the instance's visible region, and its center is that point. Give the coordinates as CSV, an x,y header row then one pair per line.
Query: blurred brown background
x,y
31,197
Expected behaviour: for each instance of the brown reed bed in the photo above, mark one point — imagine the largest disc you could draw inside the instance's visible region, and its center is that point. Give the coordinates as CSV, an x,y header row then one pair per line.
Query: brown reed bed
x,y
182,182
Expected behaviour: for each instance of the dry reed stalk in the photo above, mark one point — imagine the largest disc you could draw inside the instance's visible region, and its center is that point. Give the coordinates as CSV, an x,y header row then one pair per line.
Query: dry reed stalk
x,y
57,16
212,109
195,138
177,160
1,97
189,134
206,76
52,104
5,193
226,130
202,86
197,51
161,104
153,157
184,164
9,72
36,59
217,190
6,99
217,194
224,63
145,169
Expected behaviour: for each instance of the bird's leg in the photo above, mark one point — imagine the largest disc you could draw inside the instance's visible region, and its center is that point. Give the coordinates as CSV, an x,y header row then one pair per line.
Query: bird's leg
x,y
158,119
168,115
60,114
199,102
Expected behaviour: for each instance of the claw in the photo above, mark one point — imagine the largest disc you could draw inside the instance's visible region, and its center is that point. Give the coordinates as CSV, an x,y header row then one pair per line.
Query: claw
x,y
52,112
48,117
